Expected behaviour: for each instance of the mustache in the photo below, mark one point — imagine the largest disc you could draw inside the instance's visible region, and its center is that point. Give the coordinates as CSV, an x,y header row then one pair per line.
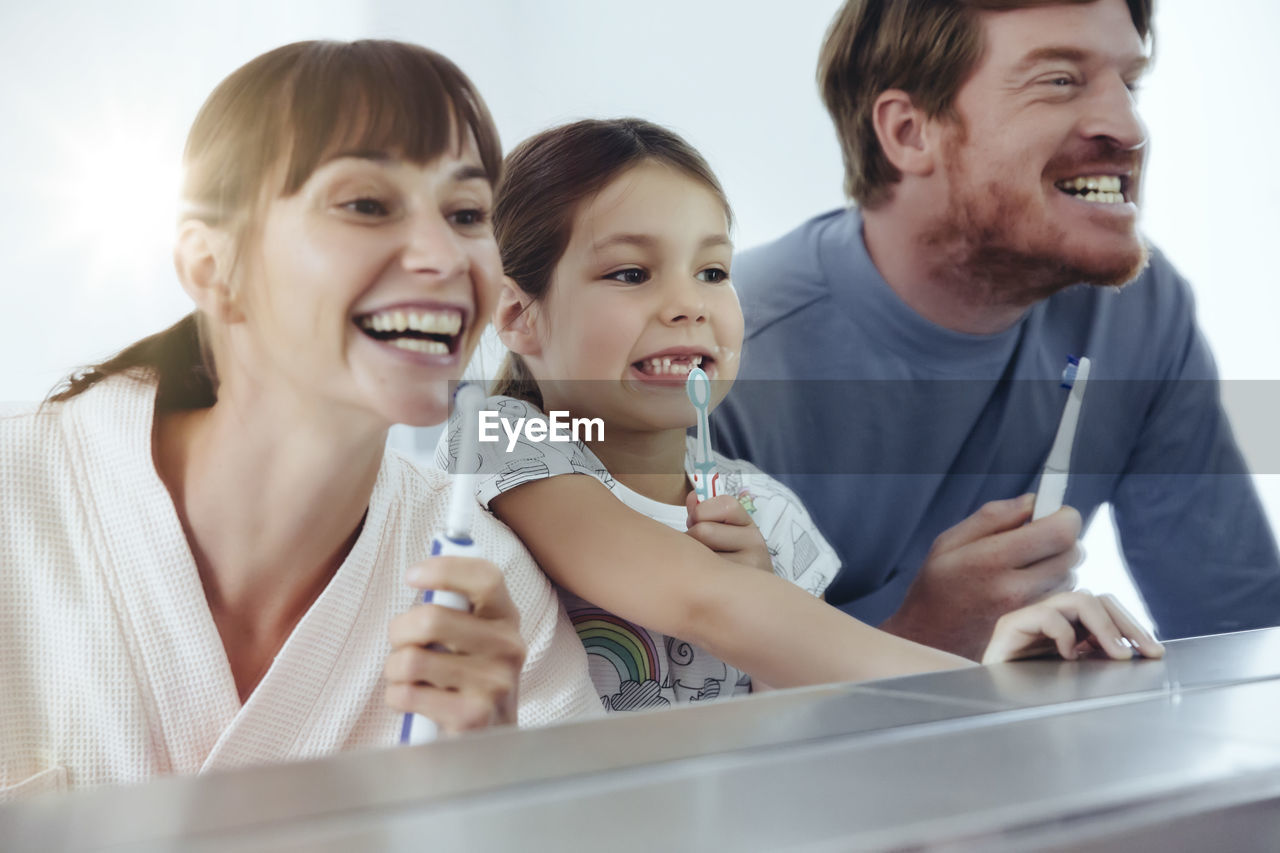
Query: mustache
x,y
1097,156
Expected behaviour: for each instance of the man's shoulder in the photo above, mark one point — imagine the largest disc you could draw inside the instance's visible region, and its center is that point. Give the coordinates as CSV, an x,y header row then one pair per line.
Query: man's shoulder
x,y
784,275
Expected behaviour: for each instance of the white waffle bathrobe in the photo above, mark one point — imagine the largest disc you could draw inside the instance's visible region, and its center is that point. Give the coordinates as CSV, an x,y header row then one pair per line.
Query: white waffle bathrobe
x,y
111,668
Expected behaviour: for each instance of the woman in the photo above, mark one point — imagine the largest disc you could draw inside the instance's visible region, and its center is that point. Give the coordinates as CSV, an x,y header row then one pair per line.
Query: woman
x,y
203,544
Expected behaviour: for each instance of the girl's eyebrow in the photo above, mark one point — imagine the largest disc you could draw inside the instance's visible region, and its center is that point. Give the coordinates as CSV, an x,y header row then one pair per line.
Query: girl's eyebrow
x,y
646,241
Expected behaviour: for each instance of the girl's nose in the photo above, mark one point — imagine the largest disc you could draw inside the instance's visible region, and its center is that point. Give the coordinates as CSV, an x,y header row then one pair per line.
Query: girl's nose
x,y
684,304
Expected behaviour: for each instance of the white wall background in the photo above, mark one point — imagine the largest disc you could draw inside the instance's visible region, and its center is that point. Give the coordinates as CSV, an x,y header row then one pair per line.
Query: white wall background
x,y
95,102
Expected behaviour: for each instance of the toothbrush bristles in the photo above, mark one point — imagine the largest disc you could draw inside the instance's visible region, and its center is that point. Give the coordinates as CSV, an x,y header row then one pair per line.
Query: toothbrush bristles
x,y
1070,371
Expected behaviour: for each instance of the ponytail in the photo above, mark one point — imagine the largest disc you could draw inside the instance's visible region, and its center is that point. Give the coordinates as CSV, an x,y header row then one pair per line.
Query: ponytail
x,y
515,380
177,357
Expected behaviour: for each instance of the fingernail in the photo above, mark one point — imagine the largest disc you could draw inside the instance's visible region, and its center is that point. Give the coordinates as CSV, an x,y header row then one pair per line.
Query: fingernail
x,y
413,575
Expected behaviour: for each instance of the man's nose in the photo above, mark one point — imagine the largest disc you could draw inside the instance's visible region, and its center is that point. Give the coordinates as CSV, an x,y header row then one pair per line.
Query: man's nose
x,y
1113,117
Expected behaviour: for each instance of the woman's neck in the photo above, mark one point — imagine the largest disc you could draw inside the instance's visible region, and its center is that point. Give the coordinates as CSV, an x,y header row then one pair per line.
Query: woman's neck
x,y
649,463
271,505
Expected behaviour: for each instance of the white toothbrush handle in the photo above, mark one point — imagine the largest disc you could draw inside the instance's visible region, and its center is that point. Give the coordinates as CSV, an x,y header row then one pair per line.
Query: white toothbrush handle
x,y
1053,488
416,728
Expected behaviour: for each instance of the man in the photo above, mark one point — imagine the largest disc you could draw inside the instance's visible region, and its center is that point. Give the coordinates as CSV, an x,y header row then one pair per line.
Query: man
x,y
901,370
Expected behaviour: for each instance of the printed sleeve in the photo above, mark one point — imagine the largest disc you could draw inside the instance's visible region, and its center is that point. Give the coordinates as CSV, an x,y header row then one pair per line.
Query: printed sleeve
x,y
799,551
509,458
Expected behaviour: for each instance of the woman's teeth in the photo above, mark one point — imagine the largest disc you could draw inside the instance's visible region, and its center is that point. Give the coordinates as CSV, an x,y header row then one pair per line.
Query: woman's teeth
x,y
1099,189
420,345
433,322
669,366
431,332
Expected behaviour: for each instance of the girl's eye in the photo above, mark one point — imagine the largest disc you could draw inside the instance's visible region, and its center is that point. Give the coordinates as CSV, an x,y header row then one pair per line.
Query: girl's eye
x,y
366,207
713,275
469,217
631,275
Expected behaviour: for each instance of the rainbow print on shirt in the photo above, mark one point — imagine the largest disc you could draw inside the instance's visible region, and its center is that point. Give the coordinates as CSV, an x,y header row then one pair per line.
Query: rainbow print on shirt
x,y
620,653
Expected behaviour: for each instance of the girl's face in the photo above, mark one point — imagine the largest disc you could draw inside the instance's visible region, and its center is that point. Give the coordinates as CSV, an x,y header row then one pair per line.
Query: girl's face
x,y
640,296
369,287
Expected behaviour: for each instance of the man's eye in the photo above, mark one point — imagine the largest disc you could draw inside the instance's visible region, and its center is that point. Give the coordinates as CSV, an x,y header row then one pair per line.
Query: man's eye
x,y
631,275
366,207
713,275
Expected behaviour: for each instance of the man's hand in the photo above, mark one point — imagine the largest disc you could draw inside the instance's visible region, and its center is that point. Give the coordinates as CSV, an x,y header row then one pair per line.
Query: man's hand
x,y
725,527
991,563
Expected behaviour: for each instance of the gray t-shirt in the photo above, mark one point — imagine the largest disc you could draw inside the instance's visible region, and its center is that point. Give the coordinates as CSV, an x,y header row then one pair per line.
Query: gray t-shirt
x,y
892,429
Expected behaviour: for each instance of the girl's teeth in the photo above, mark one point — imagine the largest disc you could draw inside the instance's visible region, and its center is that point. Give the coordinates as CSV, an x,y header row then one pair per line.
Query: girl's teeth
x,y
665,365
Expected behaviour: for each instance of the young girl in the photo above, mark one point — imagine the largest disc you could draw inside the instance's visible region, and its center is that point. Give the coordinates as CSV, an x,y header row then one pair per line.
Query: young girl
x,y
615,235
204,546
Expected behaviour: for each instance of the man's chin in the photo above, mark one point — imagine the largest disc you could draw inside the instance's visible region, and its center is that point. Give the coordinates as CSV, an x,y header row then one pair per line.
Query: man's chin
x,y
1112,269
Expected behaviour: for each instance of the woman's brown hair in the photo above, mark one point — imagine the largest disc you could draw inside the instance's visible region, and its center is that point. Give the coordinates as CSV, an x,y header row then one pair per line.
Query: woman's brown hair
x,y
261,134
544,181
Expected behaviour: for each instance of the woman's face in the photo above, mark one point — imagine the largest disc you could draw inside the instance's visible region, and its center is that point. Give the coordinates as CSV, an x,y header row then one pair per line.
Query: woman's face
x,y
369,287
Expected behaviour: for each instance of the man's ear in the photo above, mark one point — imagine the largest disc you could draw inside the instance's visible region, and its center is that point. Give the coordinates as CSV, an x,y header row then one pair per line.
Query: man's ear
x,y
516,319
906,136
202,257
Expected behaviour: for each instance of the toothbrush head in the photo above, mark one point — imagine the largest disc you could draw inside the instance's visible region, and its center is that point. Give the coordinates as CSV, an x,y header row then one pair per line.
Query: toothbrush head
x,y
698,387
1069,372
468,398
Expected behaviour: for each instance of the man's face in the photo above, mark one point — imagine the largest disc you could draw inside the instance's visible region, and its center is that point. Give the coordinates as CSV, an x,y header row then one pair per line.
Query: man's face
x,y
1044,165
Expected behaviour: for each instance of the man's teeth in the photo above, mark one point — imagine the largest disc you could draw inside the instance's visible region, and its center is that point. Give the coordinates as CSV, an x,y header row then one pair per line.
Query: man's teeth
x,y
419,345
432,322
671,367
1100,189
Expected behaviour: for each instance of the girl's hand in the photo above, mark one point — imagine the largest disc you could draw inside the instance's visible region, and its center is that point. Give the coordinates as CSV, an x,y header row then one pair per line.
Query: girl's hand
x,y
1069,623
724,526
462,670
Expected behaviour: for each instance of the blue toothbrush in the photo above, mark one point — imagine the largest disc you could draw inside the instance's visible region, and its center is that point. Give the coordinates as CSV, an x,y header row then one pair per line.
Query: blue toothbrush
x,y
1053,479
456,539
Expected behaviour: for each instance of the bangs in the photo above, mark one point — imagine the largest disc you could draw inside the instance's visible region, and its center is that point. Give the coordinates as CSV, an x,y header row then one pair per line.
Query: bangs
x,y
381,96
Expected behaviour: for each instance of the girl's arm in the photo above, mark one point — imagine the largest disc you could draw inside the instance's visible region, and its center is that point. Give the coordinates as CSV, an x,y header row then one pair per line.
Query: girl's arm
x,y
603,551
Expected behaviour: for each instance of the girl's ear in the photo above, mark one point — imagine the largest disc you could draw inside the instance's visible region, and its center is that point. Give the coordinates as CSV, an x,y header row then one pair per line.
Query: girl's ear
x,y
516,319
202,258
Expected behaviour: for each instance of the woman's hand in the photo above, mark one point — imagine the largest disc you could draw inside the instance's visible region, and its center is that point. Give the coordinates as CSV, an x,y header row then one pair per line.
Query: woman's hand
x,y
461,670
725,527
1069,623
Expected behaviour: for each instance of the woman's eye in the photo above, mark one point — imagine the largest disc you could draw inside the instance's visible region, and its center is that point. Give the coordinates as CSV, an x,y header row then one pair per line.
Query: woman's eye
x,y
366,207
470,216
1062,81
713,275
631,275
